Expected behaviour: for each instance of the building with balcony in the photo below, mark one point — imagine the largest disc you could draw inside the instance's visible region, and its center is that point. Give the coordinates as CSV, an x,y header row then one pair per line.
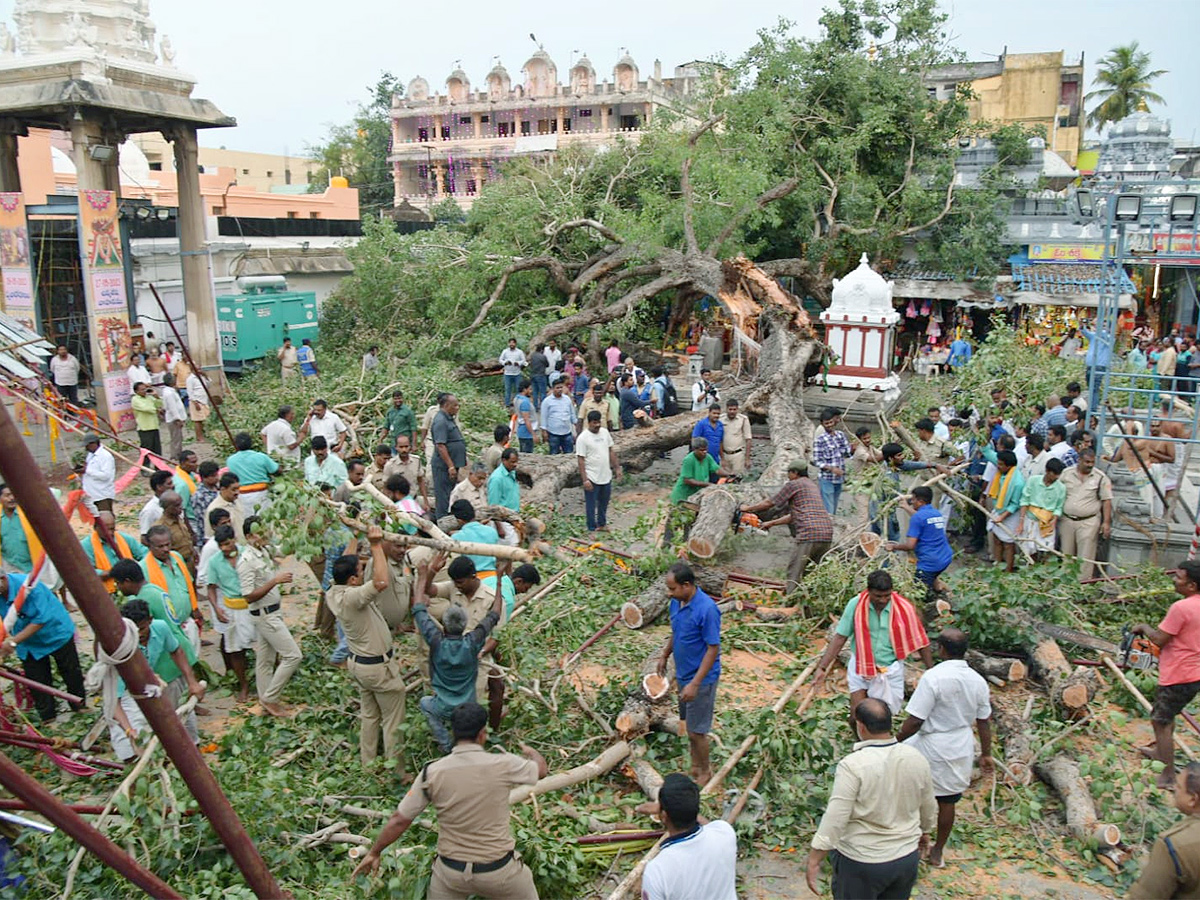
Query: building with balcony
x,y
451,143
1029,89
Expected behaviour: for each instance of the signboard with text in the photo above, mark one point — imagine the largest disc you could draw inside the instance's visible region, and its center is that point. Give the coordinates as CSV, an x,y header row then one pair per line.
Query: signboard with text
x,y
1067,252
108,308
16,272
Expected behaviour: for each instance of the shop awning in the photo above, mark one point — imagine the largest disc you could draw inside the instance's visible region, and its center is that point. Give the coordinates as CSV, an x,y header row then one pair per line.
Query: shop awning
x,y
927,289
1081,300
21,349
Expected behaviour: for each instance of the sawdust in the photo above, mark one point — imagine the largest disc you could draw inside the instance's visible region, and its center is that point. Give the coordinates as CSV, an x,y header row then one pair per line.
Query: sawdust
x,y
589,678
752,680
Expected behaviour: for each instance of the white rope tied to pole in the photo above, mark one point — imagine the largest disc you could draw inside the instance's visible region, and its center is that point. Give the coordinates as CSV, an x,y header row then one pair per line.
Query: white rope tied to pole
x,y
102,676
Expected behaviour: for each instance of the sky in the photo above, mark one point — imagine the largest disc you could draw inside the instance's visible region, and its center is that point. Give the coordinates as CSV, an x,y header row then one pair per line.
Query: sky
x,y
288,69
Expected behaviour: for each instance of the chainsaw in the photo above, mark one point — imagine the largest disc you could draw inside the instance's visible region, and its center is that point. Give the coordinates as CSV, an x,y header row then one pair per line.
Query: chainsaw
x,y
1137,652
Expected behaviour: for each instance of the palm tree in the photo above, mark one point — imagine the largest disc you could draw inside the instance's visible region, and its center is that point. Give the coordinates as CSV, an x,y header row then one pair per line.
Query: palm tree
x,y
1124,85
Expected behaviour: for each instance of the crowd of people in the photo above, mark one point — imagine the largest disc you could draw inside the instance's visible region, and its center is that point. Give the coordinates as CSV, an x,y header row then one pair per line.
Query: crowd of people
x,y
200,557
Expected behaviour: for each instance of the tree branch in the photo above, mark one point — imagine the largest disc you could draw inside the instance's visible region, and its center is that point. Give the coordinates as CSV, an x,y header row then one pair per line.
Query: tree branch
x,y
614,310
685,184
554,230
778,192
553,268
945,212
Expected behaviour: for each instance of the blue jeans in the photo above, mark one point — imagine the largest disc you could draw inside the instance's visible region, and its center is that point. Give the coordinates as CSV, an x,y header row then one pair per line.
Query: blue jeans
x,y
341,652
541,387
893,523
830,493
437,723
561,443
511,383
595,502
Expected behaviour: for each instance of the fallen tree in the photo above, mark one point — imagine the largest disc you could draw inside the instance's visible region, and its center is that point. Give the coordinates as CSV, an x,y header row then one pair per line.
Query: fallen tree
x,y
642,713
601,765
651,603
1071,689
1062,774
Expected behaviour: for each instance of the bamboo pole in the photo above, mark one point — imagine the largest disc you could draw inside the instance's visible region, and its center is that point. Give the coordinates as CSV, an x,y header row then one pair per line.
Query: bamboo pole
x,y
37,685
19,469
28,790
448,544
1141,699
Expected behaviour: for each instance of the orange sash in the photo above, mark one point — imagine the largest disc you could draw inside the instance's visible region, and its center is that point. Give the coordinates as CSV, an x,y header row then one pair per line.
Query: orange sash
x,y
158,577
36,553
187,479
100,555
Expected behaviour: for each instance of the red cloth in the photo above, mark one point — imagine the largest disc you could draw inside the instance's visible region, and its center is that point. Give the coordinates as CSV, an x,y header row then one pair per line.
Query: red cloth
x,y
904,626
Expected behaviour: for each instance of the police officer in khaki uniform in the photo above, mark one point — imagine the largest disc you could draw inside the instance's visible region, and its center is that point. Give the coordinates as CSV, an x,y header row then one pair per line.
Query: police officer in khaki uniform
x,y
469,789
735,444
372,663
1087,511
394,601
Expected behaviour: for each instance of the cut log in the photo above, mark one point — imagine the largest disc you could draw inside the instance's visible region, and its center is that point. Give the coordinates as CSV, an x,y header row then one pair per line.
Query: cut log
x,y
1070,689
1014,738
651,603
646,775
601,765
768,613
1062,775
713,521
641,713
448,544
990,666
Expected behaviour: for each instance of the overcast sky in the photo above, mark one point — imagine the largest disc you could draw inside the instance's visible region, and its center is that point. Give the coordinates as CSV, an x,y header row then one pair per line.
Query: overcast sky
x,y
286,69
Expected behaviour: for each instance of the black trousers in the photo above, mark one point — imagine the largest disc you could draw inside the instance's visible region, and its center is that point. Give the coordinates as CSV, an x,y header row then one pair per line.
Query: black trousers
x,y
70,392
151,440
67,661
854,880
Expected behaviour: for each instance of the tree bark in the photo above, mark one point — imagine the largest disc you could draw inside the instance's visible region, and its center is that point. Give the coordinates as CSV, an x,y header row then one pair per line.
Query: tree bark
x,y
1008,669
713,521
647,606
1062,774
1070,689
1014,738
601,765
781,396
641,714
647,776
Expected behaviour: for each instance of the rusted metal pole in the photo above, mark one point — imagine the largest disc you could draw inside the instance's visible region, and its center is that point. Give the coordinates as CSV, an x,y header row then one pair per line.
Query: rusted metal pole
x,y
27,482
84,809
204,379
27,789
37,685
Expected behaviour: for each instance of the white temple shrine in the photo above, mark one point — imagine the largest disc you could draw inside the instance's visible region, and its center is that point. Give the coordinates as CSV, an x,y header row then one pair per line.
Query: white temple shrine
x,y
860,329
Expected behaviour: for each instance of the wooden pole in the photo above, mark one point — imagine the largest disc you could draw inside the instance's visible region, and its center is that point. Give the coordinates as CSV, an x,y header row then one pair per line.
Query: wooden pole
x,y
20,471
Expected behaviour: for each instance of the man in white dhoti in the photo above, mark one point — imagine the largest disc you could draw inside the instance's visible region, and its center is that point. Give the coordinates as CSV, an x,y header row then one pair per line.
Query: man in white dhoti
x,y
949,698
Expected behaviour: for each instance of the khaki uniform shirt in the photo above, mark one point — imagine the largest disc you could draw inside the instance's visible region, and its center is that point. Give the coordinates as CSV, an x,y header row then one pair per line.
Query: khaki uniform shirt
x,y
255,568
477,607
491,457
394,600
934,449
737,434
181,538
603,407
410,470
469,789
377,476
367,633
1159,878
476,496
1085,495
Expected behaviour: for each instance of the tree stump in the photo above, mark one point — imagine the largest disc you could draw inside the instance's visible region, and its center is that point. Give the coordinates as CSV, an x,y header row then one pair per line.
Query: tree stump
x,y
641,713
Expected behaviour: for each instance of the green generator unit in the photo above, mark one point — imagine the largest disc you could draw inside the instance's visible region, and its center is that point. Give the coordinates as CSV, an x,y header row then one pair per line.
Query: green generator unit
x,y
254,323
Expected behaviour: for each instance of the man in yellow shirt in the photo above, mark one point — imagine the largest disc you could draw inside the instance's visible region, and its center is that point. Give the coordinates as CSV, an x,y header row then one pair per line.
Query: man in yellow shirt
x,y
146,411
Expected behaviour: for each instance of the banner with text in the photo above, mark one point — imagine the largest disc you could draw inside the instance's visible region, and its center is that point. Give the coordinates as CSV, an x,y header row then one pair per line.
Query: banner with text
x,y
108,306
16,272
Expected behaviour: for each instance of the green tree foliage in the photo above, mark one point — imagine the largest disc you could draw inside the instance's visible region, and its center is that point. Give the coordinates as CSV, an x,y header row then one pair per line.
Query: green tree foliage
x,y
359,148
1124,79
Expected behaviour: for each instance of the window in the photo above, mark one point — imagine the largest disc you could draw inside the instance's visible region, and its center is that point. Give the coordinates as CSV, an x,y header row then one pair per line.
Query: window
x,y
932,91
156,167
525,127
485,119
216,210
445,132
313,215
422,134
270,174
629,123
464,120
566,126
292,214
504,128
585,113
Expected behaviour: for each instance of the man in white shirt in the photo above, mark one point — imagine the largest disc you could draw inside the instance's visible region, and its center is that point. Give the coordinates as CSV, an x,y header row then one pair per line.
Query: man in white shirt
x,y
160,483
879,815
64,369
99,476
597,467
279,438
174,414
512,358
940,429
329,425
694,859
137,372
950,698
1057,445
1035,463
199,404
553,355
704,392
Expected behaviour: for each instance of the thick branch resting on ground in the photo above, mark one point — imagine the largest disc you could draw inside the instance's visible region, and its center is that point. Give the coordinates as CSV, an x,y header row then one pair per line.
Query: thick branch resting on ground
x,y
601,765
1062,774
641,714
644,608
1070,690
1008,669
648,778
1013,733
714,521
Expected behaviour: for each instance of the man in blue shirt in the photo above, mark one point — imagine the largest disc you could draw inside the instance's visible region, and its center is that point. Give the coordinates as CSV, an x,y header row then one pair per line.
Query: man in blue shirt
x,y
1099,351
630,402
960,353
526,413
43,631
927,539
712,430
307,358
696,642
558,419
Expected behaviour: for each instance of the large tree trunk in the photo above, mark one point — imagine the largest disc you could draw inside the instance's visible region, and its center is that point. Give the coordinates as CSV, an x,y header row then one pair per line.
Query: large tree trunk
x,y
1014,738
713,521
996,667
785,355
651,603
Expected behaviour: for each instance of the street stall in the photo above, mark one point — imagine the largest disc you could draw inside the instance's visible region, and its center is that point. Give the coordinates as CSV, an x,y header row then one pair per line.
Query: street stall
x,y
1057,297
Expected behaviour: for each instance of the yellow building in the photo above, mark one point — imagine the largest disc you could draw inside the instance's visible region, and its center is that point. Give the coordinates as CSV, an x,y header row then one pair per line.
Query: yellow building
x,y
260,171
1029,89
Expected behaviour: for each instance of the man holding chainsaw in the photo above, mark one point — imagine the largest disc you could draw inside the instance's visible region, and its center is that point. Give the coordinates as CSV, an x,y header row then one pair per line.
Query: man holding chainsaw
x,y
1178,637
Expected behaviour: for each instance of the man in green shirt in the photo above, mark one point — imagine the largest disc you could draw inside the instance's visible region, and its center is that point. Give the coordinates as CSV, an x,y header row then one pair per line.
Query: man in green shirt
x,y
14,545
503,489
146,410
132,583
1041,505
696,472
322,468
400,419
254,470
166,656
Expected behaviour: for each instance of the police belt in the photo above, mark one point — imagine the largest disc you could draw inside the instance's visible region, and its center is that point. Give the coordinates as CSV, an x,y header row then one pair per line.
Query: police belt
x,y
265,611
1081,518
477,868
372,660
731,452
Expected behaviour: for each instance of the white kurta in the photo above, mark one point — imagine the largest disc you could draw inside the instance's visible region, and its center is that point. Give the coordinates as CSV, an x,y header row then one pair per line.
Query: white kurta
x,y
950,698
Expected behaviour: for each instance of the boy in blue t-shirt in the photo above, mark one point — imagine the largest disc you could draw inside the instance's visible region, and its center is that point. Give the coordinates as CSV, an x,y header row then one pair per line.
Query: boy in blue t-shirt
x,y
696,642
927,539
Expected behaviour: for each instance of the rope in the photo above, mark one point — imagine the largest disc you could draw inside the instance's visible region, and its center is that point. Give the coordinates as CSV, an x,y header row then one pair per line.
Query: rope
x,y
103,675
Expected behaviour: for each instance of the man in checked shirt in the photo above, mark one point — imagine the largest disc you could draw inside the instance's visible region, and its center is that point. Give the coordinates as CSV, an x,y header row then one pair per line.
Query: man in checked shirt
x,y
831,449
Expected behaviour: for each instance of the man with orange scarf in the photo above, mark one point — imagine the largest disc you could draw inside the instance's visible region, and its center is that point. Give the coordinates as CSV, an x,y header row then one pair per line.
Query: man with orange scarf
x,y
168,571
106,546
884,629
